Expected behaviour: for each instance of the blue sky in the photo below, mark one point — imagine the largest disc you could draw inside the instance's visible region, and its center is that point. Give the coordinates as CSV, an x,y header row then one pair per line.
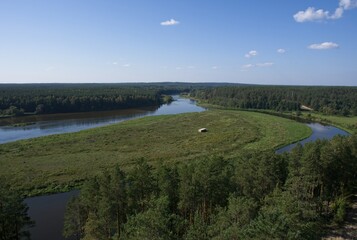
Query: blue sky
x,y
181,40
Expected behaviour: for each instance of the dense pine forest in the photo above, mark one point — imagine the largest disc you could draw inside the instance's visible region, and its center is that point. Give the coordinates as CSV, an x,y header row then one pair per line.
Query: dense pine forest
x,y
16,100
39,99
257,196
20,99
327,100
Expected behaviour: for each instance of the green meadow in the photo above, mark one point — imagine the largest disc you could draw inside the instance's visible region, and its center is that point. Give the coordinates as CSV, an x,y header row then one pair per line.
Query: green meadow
x,y
60,162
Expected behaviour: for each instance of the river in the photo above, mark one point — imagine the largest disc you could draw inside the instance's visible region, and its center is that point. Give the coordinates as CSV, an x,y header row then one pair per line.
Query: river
x,y
319,131
43,125
48,211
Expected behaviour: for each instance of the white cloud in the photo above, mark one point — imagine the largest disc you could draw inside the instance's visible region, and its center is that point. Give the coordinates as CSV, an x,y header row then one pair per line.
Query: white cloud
x,y
323,46
266,64
115,63
126,65
247,66
281,50
191,67
338,13
310,14
170,22
215,67
251,53
348,4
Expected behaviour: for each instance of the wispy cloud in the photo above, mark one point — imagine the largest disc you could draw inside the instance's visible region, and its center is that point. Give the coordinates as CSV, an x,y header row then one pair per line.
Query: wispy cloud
x,y
115,63
311,14
323,46
251,53
249,66
126,65
266,64
170,22
215,67
281,50
348,4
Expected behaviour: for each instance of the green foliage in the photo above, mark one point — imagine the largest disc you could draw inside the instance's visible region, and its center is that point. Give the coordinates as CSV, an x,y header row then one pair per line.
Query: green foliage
x,y
62,98
59,162
74,219
229,221
152,224
326,100
339,210
14,221
198,229
257,174
259,195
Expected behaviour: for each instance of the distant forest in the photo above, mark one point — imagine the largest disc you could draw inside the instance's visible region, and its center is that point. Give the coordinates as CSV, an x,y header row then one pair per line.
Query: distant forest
x,y
18,99
327,100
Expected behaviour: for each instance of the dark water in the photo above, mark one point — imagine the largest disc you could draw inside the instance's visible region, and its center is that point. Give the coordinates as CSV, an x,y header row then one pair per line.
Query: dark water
x,y
48,211
319,131
65,123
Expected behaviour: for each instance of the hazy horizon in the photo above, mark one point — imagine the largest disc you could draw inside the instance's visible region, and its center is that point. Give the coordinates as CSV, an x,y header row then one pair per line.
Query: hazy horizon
x,y
257,42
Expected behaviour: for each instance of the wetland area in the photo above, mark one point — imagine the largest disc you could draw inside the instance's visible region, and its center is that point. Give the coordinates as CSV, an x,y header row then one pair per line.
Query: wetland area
x,y
48,210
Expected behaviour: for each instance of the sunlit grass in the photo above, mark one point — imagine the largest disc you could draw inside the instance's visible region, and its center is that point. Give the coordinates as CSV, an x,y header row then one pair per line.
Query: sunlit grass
x,y
54,163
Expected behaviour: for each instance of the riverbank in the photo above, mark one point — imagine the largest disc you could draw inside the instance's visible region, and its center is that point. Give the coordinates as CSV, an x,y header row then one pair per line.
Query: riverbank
x,y
57,163
348,124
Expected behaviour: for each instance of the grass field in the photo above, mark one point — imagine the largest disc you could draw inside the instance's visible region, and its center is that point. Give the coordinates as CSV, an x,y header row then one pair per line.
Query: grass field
x,y
56,163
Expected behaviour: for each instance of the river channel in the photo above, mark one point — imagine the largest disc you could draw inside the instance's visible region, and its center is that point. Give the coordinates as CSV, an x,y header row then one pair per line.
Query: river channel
x,y
48,211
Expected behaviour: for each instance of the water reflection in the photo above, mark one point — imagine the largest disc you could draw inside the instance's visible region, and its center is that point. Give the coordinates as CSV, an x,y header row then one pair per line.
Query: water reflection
x,y
48,214
319,131
65,123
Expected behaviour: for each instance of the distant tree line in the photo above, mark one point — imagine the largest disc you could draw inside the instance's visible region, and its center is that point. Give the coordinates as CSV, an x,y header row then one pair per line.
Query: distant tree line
x,y
19,99
260,195
327,100
77,98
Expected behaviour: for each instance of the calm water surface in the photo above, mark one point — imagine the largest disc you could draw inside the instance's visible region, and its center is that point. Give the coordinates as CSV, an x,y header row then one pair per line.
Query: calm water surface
x,y
319,131
74,122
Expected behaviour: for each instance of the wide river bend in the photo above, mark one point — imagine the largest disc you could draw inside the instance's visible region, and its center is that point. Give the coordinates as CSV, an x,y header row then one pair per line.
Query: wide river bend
x,y
48,211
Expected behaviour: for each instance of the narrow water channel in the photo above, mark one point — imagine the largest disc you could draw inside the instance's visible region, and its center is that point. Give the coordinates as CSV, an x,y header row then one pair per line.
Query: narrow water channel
x,y
319,131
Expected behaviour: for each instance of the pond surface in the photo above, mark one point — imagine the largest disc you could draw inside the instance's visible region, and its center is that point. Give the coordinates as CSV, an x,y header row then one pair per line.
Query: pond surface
x,y
73,122
48,214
